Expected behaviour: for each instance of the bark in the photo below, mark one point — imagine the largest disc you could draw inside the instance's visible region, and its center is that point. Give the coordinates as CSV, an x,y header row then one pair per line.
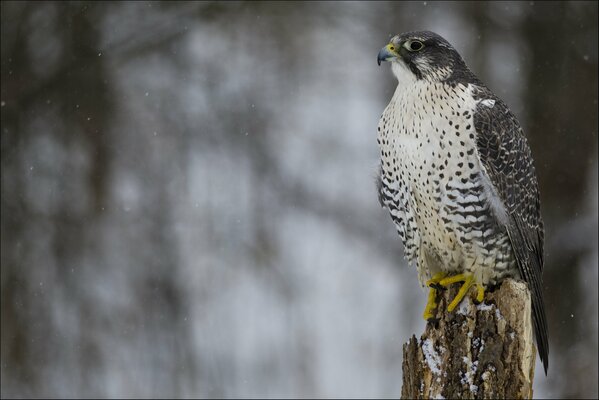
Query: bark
x,y
476,351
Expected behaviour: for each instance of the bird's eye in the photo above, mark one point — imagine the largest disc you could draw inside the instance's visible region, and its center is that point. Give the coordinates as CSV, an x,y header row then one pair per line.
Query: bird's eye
x,y
414,45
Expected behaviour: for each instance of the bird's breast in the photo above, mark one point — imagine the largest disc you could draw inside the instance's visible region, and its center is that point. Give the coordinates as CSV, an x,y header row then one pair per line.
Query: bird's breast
x,y
427,141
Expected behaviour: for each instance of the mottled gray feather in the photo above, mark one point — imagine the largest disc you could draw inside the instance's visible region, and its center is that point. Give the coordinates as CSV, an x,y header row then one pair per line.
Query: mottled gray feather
x,y
507,158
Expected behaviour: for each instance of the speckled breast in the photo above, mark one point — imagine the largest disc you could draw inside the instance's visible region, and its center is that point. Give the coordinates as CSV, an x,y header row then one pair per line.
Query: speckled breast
x,y
433,184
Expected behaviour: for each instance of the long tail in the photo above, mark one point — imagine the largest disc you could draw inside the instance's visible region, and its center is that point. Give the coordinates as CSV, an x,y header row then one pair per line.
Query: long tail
x,y
529,257
540,324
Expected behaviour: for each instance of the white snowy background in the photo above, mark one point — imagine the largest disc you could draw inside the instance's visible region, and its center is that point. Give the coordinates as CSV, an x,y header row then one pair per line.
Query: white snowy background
x,y
189,204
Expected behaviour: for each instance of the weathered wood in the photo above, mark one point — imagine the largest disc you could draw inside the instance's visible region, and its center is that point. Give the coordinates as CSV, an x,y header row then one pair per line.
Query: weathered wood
x,y
476,351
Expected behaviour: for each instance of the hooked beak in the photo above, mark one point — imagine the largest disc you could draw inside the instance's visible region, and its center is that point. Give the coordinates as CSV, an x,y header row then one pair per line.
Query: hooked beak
x,y
387,53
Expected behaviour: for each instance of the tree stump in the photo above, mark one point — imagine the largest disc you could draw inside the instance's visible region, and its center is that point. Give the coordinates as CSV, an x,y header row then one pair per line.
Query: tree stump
x,y
477,351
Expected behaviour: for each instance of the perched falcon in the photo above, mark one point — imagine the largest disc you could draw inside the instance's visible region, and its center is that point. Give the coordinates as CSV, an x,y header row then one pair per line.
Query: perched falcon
x,y
457,177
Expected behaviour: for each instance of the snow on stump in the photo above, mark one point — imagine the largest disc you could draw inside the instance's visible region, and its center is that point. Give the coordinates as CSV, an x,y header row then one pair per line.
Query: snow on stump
x,y
476,351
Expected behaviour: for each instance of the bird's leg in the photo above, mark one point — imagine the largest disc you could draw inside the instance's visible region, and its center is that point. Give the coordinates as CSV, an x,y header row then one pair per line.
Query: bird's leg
x,y
431,304
468,280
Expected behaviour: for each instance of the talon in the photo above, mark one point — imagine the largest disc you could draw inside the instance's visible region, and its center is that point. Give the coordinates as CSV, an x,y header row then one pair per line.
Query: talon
x,y
437,286
431,305
440,282
461,293
480,293
436,279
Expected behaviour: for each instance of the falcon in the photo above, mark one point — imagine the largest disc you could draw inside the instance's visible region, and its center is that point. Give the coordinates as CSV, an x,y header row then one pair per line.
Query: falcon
x,y
458,179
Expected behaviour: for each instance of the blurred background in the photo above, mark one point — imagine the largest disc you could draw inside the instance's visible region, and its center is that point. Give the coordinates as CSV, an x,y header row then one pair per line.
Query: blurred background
x,y
188,193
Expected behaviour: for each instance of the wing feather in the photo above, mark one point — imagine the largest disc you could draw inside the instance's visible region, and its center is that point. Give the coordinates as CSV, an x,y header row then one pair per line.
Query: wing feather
x,y
506,156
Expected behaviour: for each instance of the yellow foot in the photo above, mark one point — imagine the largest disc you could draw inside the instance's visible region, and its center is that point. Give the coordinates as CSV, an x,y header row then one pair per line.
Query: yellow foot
x,y
431,304
436,279
480,293
468,280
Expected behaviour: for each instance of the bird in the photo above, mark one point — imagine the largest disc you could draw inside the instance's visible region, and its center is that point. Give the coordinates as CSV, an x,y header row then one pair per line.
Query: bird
x,y
457,177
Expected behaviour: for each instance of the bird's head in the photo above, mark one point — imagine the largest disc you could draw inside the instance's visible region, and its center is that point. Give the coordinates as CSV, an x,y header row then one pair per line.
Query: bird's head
x,y
422,55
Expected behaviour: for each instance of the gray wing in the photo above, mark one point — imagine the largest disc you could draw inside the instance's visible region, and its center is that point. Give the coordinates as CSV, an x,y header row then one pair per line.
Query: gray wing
x,y
506,156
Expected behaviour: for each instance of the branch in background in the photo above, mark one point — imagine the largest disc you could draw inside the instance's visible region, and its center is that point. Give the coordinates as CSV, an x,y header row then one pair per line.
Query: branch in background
x,y
477,351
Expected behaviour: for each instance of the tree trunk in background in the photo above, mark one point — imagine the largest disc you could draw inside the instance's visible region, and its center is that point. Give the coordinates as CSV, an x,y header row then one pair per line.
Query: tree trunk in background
x,y
562,130
477,351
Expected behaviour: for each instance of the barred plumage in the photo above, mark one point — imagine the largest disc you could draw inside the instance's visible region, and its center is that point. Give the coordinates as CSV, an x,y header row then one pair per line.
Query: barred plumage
x,y
457,174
